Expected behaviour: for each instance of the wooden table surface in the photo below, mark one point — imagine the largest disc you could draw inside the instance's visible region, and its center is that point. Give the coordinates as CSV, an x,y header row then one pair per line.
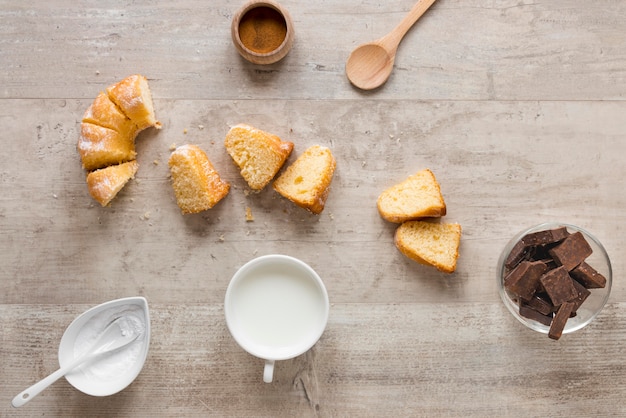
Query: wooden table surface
x,y
518,107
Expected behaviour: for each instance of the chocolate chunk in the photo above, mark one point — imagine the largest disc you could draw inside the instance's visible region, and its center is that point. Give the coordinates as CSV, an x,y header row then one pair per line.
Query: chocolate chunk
x,y
572,251
533,242
588,276
559,286
559,320
516,255
542,252
583,294
541,303
528,312
546,237
524,279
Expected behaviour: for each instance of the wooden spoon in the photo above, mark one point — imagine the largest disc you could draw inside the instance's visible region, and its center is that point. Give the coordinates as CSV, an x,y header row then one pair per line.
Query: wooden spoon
x,y
370,64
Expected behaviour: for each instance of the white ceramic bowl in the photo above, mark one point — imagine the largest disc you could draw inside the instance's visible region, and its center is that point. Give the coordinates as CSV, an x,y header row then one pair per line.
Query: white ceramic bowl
x,y
112,372
590,308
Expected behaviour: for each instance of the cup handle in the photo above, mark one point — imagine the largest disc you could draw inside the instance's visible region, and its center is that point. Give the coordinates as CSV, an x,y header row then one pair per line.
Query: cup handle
x,y
268,371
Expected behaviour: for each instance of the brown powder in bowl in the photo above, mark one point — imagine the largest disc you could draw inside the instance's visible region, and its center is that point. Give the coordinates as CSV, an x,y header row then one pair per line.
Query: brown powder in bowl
x,y
262,29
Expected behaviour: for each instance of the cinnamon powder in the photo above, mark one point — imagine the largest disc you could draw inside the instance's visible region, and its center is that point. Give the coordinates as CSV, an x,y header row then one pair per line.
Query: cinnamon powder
x,y
262,29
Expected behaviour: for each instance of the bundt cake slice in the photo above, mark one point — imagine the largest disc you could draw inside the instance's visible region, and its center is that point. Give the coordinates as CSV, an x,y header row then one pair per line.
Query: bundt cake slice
x,y
419,196
258,154
196,183
430,243
100,147
104,112
306,182
104,184
132,95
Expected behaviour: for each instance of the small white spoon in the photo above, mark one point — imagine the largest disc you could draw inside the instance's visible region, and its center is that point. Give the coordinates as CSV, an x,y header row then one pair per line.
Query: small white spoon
x,y
112,338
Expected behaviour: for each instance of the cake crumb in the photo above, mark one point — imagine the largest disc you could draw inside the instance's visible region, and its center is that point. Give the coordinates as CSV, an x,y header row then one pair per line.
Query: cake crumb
x,y
249,217
185,131
201,127
221,238
145,216
172,146
155,162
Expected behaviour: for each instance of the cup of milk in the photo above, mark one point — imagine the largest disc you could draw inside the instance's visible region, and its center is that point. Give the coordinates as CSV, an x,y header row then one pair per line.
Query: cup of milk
x,y
276,308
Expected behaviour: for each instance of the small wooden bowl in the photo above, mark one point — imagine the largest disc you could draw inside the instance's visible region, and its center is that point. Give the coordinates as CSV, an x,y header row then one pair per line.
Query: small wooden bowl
x,y
262,31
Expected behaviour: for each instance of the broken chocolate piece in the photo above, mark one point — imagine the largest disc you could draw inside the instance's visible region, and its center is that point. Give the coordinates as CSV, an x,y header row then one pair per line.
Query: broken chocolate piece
x,y
528,312
572,251
524,279
541,303
516,255
583,294
549,236
559,286
588,276
558,322
530,243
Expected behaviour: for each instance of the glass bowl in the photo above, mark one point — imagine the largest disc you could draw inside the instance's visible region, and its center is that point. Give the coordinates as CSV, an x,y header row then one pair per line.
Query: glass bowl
x,y
594,303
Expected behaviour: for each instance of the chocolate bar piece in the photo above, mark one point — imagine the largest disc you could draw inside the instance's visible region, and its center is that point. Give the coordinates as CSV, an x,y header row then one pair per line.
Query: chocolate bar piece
x,y
572,251
524,279
583,294
559,286
549,236
541,303
558,322
588,276
529,242
516,255
530,313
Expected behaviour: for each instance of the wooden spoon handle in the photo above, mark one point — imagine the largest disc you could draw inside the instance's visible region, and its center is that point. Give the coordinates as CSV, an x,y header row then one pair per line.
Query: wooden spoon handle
x,y
391,41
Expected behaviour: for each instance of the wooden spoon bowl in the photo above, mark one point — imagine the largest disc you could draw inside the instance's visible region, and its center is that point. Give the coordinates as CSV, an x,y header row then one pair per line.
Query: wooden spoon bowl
x,y
369,65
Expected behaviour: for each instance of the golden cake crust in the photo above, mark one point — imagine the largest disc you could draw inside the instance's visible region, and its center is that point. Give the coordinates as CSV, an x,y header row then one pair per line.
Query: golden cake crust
x,y
100,147
104,184
132,95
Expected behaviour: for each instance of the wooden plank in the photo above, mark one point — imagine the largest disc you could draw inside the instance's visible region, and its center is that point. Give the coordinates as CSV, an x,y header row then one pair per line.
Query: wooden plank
x,y
503,166
460,50
418,359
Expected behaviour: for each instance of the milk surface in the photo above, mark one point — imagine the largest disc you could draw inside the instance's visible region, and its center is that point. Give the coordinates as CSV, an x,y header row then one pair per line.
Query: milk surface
x,y
278,308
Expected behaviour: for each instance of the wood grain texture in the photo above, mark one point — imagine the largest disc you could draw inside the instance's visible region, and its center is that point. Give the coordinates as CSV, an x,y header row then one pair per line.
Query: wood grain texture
x,y
460,50
388,359
516,106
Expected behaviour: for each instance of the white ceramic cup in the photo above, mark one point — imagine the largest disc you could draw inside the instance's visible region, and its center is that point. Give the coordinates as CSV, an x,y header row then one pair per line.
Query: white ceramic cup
x,y
276,308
